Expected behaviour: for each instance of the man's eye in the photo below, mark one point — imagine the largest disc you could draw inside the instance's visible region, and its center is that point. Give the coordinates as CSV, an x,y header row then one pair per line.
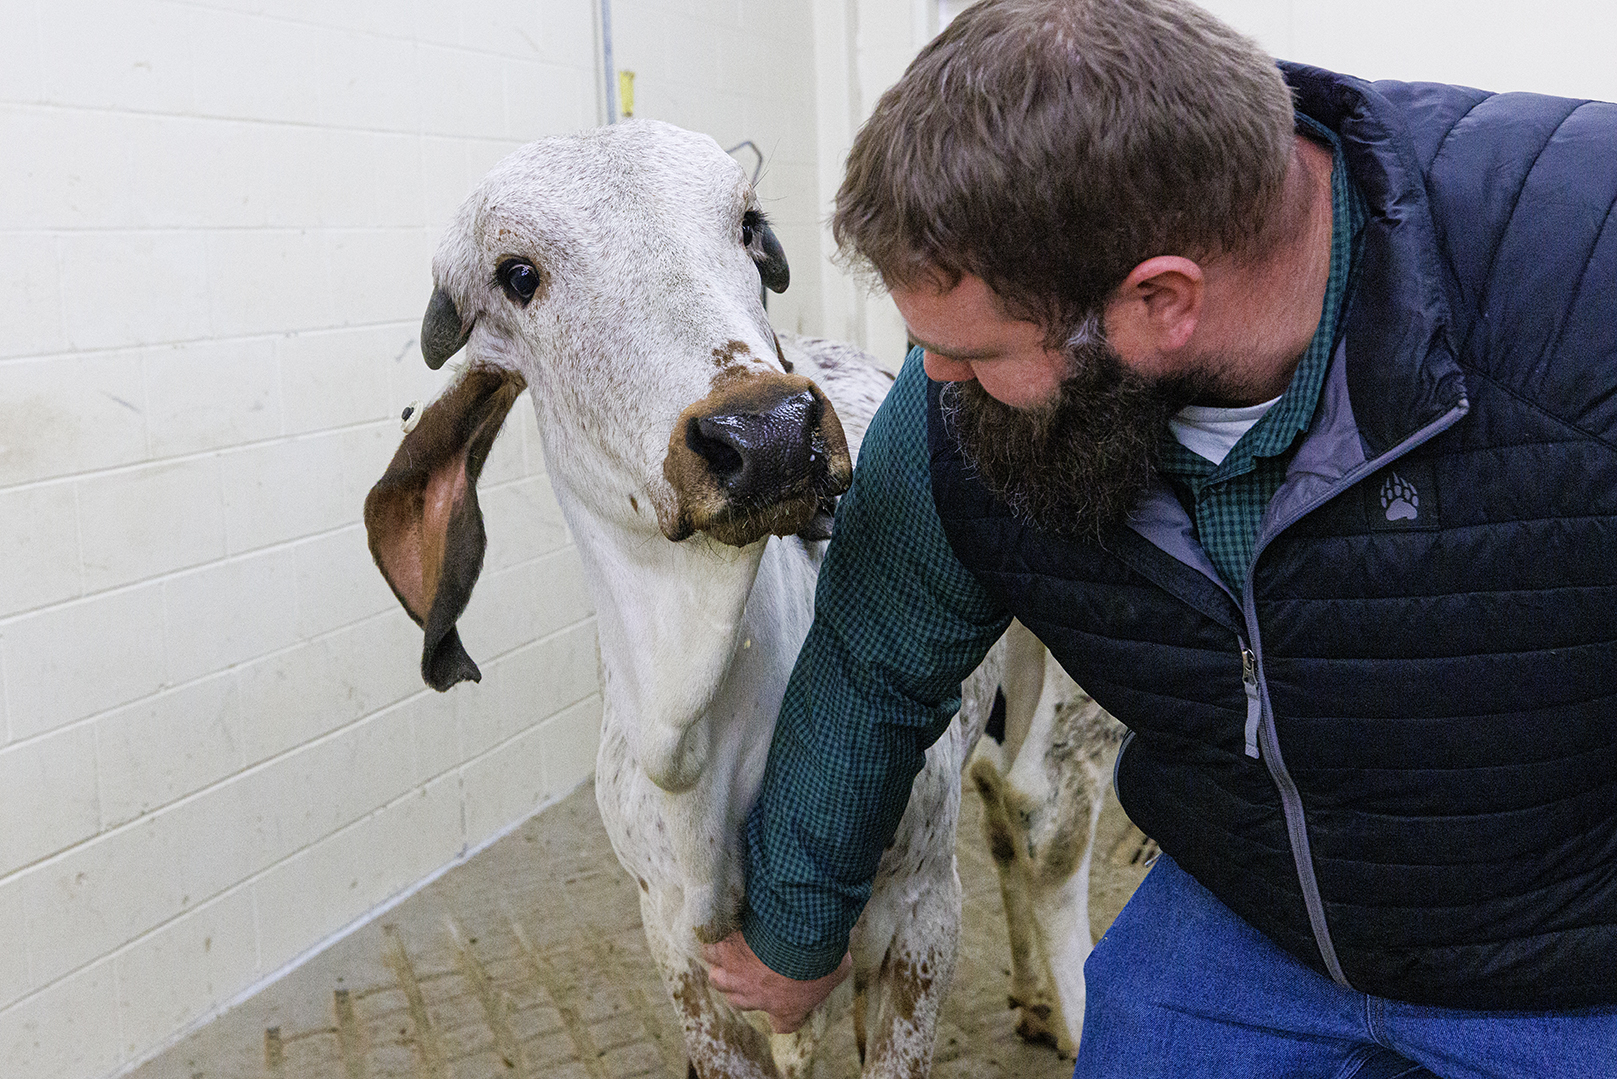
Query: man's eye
x,y
519,279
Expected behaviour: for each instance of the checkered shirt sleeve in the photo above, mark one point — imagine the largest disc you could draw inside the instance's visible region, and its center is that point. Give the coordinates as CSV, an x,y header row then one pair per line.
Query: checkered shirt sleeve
x,y
898,623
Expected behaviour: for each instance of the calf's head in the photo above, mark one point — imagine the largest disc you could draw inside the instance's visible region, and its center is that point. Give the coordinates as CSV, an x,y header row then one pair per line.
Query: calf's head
x,y
615,275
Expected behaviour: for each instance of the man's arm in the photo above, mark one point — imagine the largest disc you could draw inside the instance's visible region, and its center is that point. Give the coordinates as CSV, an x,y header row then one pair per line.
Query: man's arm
x,y
898,623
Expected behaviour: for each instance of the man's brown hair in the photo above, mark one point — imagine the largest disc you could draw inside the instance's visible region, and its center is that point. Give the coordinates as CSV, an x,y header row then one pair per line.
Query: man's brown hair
x,y
1050,146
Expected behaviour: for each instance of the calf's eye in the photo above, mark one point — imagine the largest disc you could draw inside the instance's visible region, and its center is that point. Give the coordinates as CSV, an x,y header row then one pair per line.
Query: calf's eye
x,y
518,278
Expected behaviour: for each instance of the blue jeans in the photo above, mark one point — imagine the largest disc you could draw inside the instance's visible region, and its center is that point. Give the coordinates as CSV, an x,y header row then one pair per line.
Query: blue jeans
x,y
1182,988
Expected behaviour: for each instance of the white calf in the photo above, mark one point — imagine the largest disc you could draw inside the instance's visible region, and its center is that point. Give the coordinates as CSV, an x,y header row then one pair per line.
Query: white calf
x,y
615,275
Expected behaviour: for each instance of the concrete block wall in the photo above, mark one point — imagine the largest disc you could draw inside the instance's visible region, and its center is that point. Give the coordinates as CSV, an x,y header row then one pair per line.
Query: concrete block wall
x,y
216,221
742,70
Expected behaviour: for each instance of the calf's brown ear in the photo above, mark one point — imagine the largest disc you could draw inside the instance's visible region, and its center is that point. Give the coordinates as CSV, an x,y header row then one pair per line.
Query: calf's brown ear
x,y
422,519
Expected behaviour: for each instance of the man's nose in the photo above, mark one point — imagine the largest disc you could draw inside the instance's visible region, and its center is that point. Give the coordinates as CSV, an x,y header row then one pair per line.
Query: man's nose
x,y
942,369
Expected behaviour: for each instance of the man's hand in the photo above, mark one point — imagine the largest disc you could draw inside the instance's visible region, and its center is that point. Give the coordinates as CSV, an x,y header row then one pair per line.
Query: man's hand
x,y
751,986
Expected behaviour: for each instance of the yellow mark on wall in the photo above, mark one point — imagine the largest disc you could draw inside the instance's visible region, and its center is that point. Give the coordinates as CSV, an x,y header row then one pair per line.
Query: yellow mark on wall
x,y
626,93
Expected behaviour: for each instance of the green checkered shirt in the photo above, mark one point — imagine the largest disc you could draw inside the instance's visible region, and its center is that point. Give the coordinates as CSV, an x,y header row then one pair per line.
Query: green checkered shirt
x,y
1230,497
898,624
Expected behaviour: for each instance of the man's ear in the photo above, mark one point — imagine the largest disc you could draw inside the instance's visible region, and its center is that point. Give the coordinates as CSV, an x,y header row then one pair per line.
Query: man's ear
x,y
1156,309
423,521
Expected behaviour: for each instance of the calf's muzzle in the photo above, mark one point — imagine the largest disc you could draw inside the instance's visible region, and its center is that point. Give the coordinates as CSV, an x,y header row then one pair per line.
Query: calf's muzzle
x,y
763,454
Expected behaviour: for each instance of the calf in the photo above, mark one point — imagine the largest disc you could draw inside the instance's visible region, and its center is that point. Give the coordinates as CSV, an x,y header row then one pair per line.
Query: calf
x,y
1042,788
615,275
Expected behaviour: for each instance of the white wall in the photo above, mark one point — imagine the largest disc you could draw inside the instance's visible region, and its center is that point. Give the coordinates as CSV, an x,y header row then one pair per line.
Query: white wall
x,y
216,220
1561,47
861,48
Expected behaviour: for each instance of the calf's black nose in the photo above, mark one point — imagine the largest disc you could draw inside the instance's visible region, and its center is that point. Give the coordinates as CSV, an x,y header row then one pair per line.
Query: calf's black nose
x,y
760,455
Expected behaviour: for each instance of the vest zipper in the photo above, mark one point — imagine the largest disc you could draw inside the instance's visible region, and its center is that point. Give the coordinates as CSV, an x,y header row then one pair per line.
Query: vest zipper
x,y
1254,702
1291,802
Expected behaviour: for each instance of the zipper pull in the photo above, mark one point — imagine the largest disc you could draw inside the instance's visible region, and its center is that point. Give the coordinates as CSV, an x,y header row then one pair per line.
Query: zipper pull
x,y
1254,704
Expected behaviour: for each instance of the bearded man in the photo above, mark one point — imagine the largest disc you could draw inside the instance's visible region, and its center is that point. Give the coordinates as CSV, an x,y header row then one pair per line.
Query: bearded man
x,y
1282,407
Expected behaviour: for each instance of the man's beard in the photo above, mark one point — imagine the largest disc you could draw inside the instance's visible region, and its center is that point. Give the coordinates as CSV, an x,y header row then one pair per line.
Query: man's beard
x,y
1074,466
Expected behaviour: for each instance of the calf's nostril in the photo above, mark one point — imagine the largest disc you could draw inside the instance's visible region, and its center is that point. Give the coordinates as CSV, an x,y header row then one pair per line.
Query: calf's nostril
x,y
714,442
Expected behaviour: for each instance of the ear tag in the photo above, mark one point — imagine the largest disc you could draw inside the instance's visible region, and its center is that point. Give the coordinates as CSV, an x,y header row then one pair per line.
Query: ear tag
x,y
410,417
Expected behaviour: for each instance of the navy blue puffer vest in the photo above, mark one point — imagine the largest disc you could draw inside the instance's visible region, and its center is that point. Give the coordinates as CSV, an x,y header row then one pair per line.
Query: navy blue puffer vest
x,y
1412,782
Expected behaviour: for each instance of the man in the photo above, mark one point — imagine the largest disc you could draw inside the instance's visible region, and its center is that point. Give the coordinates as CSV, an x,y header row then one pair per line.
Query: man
x,y
1293,434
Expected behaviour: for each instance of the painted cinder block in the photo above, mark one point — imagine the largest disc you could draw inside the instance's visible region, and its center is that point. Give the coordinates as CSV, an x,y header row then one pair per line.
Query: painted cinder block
x,y
363,455
252,821
284,490
641,34
99,896
563,24
285,181
445,183
70,414
435,730
523,520
206,395
464,93
543,98
551,674
22,77
164,281
571,739
527,601
362,263
138,523
14,980
259,67
65,1031
170,745
527,686
229,613
69,662
39,531
64,168
175,974
517,777
355,870
336,378
370,179
29,277
369,82
268,281
337,583
504,28
312,689
111,55
408,377
183,172
365,766
50,794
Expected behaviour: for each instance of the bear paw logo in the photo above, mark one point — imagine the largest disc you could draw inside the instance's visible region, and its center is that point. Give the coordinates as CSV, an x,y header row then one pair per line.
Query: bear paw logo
x,y
1399,499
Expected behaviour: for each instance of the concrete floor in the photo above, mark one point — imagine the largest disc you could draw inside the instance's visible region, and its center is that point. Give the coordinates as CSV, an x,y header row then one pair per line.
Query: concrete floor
x,y
528,961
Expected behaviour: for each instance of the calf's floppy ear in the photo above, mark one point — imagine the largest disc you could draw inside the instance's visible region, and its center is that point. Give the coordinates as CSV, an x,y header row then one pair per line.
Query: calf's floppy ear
x,y
423,521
